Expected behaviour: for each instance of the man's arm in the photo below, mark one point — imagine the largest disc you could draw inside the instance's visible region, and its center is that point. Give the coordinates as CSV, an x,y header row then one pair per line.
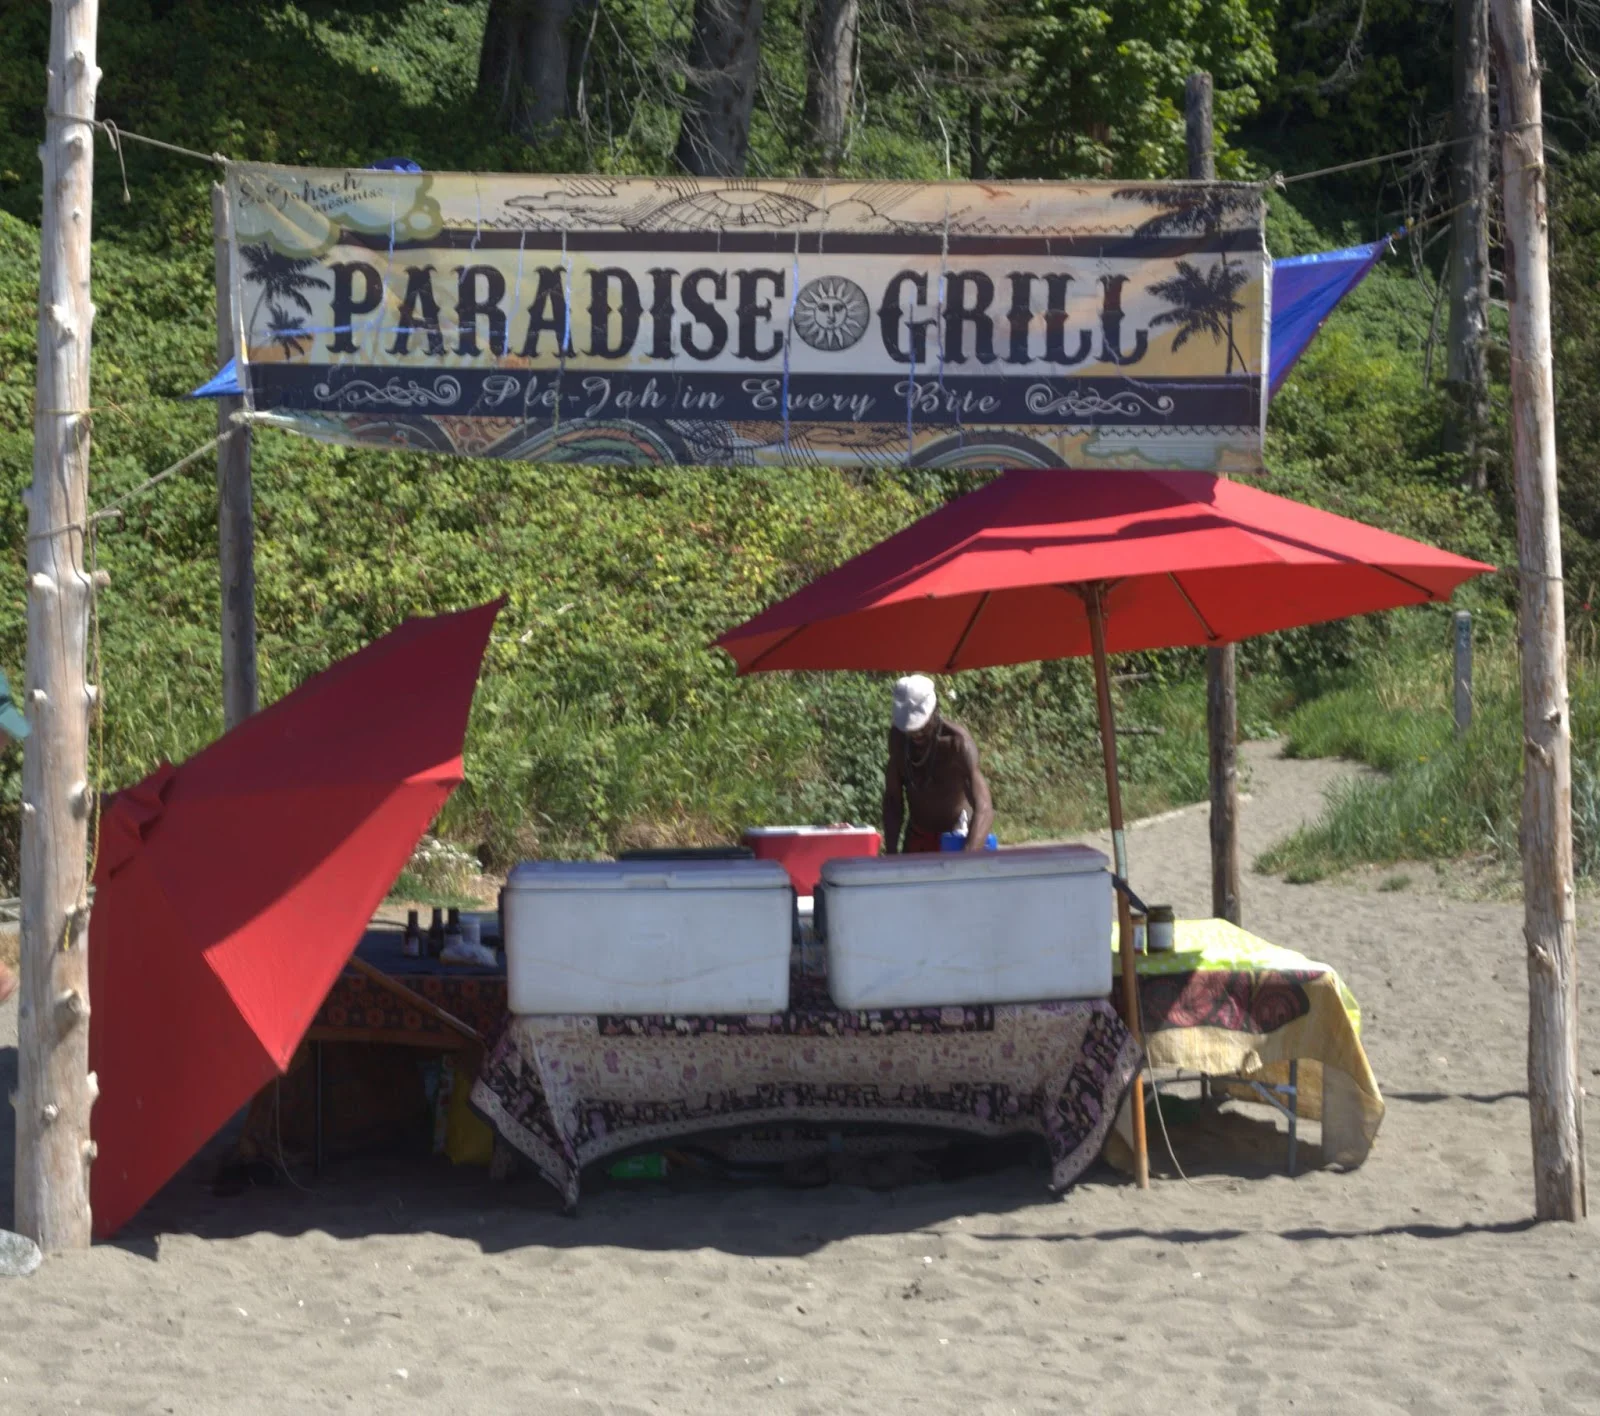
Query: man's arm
x,y
982,804
893,801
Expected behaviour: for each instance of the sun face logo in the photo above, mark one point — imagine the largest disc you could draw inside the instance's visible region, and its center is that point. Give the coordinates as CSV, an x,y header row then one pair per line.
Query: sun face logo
x,y
831,313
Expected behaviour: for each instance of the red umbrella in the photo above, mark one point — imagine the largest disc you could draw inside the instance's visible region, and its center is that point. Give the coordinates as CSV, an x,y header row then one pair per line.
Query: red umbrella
x,y
1056,564
1184,558
230,891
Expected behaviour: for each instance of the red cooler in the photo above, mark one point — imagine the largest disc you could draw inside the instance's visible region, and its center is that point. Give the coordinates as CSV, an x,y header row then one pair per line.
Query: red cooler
x,y
802,849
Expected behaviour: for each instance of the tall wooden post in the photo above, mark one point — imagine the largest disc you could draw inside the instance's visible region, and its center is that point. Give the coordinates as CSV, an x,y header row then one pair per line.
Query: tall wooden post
x,y
1555,1100
1094,600
236,546
1466,366
1200,139
55,1092
1222,699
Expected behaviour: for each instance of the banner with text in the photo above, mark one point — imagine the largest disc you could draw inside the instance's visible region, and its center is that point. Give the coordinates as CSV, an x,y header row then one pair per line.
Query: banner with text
x,y
666,320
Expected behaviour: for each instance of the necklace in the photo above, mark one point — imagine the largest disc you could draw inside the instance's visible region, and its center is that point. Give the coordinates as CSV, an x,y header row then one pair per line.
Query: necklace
x,y
917,766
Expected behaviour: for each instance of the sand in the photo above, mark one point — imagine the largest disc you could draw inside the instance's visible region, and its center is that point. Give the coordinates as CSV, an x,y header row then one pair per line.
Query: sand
x,y
1416,1284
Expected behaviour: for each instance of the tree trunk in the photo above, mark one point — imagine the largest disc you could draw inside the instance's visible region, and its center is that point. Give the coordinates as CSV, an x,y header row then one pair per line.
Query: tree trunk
x,y
1555,1102
522,66
1466,373
236,543
977,150
55,1092
1199,137
724,56
831,76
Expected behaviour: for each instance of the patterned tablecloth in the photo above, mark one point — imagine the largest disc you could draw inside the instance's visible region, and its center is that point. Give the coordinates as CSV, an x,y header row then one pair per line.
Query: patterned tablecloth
x,y
359,1010
567,1091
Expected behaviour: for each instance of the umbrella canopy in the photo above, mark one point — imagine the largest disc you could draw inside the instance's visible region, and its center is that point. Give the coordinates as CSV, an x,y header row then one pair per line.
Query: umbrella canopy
x,y
231,890
1186,558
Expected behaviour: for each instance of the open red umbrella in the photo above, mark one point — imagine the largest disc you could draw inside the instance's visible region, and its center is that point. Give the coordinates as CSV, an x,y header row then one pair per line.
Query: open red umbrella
x,y
1183,558
231,890
1056,564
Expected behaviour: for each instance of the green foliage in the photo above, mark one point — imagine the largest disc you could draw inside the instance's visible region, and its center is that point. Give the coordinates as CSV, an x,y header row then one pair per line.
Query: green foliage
x,y
603,718
1575,294
1101,86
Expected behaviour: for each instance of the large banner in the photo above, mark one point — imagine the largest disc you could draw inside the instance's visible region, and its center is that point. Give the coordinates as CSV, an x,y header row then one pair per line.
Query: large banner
x,y
604,320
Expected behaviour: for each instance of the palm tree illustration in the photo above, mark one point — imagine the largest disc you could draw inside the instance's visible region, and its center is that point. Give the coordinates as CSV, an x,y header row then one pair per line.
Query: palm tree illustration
x,y
287,332
282,280
1203,302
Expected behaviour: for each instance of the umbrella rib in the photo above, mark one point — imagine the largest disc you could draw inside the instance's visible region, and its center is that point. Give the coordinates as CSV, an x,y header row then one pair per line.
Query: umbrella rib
x,y
1422,590
1188,599
755,663
950,663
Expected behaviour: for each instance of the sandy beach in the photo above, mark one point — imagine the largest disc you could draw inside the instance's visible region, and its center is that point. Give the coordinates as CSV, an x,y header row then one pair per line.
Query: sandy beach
x,y
1417,1283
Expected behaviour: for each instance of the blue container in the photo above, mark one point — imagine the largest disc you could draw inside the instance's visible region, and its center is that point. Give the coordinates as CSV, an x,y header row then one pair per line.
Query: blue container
x,y
957,841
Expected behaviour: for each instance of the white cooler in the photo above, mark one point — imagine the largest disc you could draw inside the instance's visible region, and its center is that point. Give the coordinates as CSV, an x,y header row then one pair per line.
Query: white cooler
x,y
1013,926
648,936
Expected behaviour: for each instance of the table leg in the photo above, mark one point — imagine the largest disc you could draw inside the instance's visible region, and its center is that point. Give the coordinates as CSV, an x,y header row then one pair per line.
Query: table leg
x,y
1294,1109
316,1138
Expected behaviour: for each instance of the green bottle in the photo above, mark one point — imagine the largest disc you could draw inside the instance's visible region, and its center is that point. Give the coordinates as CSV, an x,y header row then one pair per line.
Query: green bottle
x,y
640,1167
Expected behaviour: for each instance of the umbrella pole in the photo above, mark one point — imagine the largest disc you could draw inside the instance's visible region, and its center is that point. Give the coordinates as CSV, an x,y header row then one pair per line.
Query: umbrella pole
x,y
1119,852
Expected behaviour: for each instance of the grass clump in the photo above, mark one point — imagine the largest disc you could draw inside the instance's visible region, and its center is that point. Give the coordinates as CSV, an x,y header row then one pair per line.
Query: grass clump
x,y
1441,797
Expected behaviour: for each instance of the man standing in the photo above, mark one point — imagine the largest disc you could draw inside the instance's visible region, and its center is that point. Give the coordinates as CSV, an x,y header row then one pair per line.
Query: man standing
x,y
933,769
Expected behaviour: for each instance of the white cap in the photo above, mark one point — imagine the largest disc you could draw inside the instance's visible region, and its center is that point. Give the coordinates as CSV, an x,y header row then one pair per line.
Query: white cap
x,y
914,702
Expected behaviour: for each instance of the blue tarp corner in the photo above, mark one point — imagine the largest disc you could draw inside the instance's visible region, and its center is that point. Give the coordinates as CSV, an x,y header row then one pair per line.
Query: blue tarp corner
x,y
222,384
1305,290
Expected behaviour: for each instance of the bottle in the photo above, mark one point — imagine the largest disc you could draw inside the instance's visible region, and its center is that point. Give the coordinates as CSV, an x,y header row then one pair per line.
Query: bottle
x,y
436,933
641,1167
411,943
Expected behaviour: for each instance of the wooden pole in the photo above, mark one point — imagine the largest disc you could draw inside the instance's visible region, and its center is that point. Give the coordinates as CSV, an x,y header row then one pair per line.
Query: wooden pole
x,y
414,999
55,1092
1555,1100
236,548
1222,695
1466,364
1094,599
1200,139
1462,675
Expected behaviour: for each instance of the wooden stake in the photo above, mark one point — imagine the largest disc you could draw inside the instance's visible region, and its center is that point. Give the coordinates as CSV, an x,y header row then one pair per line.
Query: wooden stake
x,y
1200,138
1094,599
1461,640
1222,697
1222,719
236,547
55,1092
1555,1101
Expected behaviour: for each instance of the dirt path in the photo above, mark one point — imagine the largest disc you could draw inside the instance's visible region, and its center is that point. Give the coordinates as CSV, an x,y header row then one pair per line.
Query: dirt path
x,y
1415,1284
